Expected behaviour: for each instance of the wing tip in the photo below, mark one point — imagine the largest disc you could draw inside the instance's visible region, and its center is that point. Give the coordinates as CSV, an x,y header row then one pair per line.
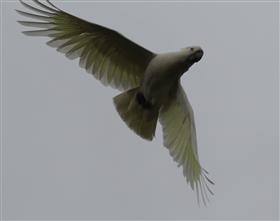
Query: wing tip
x,y
19,11
51,4
203,188
26,33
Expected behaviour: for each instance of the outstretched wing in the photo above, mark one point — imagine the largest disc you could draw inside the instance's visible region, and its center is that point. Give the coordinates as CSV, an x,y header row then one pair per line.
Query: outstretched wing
x,y
109,56
177,120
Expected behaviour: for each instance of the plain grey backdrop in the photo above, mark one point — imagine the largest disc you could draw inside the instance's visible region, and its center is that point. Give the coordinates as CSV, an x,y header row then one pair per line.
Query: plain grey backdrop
x,y
67,154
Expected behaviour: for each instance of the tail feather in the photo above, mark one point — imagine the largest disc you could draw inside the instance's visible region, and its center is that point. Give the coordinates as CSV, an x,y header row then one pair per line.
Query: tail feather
x,y
141,119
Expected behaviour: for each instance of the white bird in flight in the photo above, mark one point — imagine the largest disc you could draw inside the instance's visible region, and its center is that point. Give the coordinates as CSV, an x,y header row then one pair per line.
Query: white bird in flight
x,y
150,81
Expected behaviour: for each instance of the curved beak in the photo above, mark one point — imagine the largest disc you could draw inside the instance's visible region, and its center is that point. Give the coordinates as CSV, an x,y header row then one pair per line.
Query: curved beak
x,y
197,54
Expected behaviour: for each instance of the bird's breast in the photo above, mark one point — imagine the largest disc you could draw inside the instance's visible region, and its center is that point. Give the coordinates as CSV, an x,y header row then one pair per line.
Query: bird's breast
x,y
161,79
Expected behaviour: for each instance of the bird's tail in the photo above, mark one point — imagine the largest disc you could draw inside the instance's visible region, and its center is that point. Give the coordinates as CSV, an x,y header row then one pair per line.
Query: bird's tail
x,y
138,114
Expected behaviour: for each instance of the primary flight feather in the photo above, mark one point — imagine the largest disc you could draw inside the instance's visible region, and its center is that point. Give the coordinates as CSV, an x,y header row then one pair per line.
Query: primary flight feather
x,y
150,81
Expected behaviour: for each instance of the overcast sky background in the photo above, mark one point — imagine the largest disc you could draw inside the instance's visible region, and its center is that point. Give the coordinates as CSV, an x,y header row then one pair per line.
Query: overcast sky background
x,y
67,154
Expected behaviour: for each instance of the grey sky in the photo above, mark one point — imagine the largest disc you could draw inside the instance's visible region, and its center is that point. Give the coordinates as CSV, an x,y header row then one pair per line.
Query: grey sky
x,y
67,154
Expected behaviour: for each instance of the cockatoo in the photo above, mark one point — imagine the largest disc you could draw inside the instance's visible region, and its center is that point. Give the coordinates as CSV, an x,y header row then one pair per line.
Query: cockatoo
x,y
150,82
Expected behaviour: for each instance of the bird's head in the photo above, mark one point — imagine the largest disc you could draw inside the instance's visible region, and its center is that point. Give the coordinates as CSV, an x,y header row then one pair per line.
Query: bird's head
x,y
189,56
193,54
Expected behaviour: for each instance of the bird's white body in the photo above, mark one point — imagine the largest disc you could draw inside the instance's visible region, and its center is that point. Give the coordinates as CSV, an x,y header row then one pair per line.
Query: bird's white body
x,y
163,73
162,76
